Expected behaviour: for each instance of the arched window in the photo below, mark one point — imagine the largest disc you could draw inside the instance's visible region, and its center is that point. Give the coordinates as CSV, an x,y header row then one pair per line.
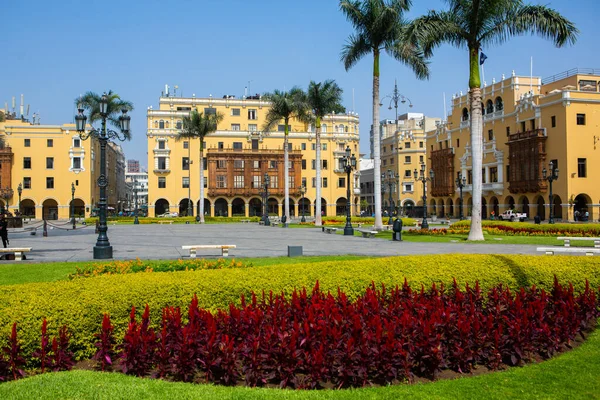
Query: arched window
x,y
465,114
482,109
161,124
341,129
323,128
179,125
346,128
489,107
155,124
499,104
167,124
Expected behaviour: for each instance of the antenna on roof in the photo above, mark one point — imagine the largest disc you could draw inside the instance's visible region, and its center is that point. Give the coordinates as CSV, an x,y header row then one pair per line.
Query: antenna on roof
x,y
27,114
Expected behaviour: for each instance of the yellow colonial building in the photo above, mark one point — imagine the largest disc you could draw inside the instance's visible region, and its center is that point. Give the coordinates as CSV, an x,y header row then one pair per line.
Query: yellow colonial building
x,y
402,151
44,161
528,123
239,154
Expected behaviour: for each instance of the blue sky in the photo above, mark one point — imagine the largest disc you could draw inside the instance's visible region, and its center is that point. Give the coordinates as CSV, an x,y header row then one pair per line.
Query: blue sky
x,y
55,50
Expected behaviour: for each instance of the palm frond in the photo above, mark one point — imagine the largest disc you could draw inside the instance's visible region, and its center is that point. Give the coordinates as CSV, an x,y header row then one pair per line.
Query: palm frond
x,y
356,47
324,97
434,29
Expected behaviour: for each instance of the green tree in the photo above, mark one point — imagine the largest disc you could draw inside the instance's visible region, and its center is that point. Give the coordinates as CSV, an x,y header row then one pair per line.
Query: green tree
x,y
323,97
285,106
91,103
472,24
380,26
197,126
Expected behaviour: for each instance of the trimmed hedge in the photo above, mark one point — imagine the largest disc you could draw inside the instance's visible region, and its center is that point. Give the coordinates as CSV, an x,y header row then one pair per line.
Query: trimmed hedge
x,y
81,303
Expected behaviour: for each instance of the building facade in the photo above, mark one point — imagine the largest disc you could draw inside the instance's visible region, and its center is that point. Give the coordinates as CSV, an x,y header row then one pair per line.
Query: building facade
x,y
530,126
403,150
238,156
43,161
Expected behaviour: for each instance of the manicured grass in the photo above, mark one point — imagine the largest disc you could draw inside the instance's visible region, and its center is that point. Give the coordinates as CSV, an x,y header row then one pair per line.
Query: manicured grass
x,y
573,375
17,273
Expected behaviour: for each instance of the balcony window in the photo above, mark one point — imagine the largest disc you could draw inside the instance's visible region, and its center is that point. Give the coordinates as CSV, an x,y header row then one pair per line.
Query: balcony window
x,y
162,163
221,181
493,174
238,181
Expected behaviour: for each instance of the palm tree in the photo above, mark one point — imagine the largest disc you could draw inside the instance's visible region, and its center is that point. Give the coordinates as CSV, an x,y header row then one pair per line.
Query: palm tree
x,y
323,97
91,102
197,126
286,105
472,24
380,26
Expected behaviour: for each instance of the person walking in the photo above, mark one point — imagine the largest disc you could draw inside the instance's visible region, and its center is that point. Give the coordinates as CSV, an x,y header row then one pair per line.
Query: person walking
x,y
4,230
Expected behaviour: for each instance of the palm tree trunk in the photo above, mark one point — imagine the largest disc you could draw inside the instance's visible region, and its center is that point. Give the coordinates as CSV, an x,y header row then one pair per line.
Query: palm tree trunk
x,y
476,232
376,143
318,220
286,177
201,212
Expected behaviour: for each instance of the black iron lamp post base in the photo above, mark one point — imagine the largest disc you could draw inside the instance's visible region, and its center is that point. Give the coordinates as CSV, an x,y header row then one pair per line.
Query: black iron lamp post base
x,y
103,252
348,231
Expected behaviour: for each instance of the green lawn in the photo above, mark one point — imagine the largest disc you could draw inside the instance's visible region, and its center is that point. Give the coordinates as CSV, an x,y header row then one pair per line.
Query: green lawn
x,y
573,375
17,273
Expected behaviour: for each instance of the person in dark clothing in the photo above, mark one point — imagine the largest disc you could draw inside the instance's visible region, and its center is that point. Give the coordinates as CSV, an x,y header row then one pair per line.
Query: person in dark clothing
x,y
4,230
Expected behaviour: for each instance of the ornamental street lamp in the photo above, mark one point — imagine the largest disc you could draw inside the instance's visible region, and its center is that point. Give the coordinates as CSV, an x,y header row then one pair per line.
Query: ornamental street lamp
x,y
102,249
72,204
461,181
135,197
421,177
20,190
302,192
348,163
553,176
390,179
266,192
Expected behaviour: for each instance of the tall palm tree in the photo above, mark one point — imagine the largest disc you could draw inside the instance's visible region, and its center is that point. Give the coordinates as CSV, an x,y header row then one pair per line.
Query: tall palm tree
x,y
91,102
380,26
197,126
323,97
285,106
472,24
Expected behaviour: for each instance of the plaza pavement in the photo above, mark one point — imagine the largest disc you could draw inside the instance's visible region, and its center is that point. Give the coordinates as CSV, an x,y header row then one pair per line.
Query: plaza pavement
x,y
252,240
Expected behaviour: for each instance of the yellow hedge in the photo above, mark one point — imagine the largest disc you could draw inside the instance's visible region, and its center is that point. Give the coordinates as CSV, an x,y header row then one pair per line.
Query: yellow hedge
x,y
81,303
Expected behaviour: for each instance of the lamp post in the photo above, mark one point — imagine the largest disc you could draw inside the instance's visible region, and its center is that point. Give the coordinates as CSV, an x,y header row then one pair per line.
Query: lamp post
x,y
390,178
302,192
461,181
102,249
348,163
20,190
266,192
136,221
72,204
421,177
553,176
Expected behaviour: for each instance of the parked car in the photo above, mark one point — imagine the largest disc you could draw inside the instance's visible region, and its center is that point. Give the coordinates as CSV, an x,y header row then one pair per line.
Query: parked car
x,y
169,215
510,215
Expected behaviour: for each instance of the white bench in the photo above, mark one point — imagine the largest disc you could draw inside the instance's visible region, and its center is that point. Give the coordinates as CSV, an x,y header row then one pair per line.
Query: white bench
x,y
589,251
329,229
567,240
194,248
368,234
17,250
166,222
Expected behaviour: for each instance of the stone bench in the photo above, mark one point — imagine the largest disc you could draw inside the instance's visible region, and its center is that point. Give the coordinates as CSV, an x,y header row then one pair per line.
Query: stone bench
x,y
567,240
194,248
17,250
245,221
368,234
589,251
329,229
166,222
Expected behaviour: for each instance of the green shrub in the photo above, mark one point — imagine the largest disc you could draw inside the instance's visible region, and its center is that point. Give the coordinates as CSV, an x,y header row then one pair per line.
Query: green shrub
x,y
81,303
529,229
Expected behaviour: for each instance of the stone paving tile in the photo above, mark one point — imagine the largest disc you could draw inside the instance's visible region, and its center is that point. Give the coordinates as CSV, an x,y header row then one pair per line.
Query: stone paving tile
x,y
252,240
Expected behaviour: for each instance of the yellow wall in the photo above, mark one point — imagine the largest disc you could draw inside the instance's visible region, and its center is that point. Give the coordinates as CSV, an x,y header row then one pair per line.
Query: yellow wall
x,y
300,134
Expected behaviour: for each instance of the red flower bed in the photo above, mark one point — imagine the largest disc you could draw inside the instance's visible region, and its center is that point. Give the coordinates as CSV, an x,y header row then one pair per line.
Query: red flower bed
x,y
315,340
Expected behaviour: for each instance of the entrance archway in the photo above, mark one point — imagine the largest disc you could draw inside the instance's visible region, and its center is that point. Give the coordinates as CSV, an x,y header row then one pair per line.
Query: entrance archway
x,y
78,207
581,206
340,206
183,207
255,207
441,209
238,207
557,208
160,207
450,207
206,207
541,208
273,206
221,208
304,207
50,209
323,207
510,203
484,209
494,206
292,207
524,202
28,208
